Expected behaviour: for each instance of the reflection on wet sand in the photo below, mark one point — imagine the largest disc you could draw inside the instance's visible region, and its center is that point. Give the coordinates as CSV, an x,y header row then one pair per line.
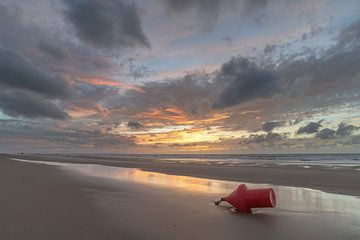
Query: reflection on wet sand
x,y
289,199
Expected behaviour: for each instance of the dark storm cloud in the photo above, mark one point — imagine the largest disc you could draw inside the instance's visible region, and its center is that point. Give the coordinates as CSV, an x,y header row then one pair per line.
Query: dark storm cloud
x,y
350,35
326,133
106,23
313,74
345,130
269,126
18,72
334,68
269,48
92,138
311,127
52,51
269,137
192,93
49,49
134,125
34,59
26,104
62,137
238,82
244,81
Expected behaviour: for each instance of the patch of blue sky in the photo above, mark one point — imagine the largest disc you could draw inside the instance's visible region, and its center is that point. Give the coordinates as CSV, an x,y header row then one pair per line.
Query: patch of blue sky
x,y
336,115
169,63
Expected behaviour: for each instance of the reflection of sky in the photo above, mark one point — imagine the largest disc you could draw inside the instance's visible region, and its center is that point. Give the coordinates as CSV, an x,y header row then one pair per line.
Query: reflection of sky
x,y
289,199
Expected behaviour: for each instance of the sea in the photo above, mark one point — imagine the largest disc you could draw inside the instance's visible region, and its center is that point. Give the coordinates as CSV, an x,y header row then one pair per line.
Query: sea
x,y
333,161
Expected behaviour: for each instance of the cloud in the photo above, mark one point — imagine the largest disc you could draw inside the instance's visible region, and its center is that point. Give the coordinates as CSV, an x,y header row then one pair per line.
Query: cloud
x,y
210,6
244,81
260,84
32,136
334,68
314,74
350,35
311,127
108,24
210,10
46,44
354,140
52,51
26,104
269,137
17,72
229,40
134,125
192,93
345,130
269,48
255,4
269,126
326,133
137,71
207,9
298,75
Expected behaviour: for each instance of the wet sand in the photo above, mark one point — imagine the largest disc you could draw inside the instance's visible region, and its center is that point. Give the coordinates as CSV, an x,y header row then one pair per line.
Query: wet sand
x,y
328,180
38,201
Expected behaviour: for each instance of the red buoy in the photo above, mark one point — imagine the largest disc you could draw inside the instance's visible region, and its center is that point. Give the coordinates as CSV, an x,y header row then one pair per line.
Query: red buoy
x,y
244,199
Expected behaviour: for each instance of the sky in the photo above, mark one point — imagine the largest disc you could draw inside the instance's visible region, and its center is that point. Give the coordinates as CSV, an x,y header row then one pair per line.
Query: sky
x,y
180,76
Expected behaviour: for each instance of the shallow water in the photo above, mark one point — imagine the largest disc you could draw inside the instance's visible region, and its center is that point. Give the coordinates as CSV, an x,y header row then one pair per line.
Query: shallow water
x,y
345,209
326,161
337,163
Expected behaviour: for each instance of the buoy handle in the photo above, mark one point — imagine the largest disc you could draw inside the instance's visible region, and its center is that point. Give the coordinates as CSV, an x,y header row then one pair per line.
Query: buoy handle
x,y
219,201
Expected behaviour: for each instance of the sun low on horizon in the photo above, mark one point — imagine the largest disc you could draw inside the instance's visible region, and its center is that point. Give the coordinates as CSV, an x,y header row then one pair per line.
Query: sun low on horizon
x,y
172,76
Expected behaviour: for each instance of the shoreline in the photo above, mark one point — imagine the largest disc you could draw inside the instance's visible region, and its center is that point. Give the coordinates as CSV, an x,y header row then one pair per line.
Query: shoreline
x,y
328,180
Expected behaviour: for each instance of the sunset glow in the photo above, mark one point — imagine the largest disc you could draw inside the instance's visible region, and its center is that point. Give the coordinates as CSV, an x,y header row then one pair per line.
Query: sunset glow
x,y
169,76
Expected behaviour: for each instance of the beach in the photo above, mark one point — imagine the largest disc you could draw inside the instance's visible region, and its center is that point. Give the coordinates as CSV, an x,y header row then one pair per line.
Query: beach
x,y
334,180
138,199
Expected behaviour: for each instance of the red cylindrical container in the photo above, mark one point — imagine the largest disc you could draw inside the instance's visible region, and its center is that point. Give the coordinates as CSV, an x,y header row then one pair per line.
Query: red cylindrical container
x,y
244,199
260,198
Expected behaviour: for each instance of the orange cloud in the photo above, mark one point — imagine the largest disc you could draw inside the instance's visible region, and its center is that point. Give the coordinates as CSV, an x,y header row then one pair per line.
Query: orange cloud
x,y
188,137
192,135
249,112
211,119
177,116
79,112
108,82
173,115
103,110
112,83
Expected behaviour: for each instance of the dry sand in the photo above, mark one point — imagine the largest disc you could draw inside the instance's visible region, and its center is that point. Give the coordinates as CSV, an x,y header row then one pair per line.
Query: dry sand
x,y
47,202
